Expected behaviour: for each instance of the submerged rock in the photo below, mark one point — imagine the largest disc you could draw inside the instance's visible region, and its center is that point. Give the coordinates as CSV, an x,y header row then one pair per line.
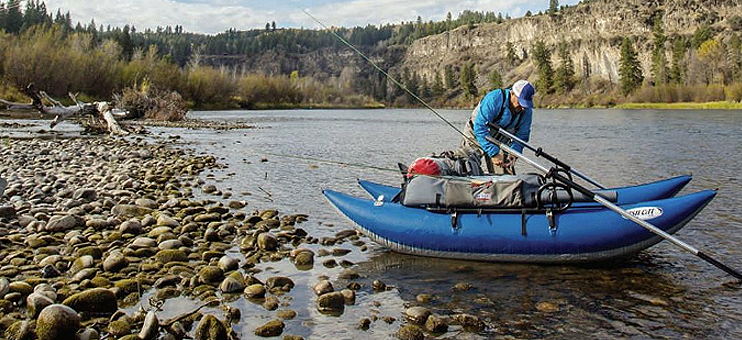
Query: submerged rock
x,y
210,328
272,328
333,302
410,332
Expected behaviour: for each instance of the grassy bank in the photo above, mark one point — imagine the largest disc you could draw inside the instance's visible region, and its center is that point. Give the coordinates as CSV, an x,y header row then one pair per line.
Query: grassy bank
x,y
718,105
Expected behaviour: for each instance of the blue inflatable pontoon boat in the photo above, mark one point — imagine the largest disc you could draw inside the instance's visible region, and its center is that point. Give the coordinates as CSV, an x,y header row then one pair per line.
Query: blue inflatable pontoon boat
x,y
579,234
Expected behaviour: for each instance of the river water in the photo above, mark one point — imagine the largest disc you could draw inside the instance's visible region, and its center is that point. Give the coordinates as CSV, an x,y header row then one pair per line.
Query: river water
x,y
290,157
662,293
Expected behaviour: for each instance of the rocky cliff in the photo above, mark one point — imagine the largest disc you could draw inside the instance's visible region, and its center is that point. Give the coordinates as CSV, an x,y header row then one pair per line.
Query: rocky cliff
x,y
593,29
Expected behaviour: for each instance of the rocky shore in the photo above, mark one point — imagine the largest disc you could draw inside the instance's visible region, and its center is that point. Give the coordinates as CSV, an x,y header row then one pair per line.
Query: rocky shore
x,y
90,226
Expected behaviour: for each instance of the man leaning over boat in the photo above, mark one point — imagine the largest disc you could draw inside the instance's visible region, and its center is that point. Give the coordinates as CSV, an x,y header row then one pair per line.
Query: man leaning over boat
x,y
511,109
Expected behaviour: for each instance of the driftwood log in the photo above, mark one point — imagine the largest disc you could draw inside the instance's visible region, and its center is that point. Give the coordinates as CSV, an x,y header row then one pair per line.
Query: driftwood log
x,y
98,111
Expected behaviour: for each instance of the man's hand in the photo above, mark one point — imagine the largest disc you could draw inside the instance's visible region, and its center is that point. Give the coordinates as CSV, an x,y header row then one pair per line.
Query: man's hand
x,y
510,160
497,160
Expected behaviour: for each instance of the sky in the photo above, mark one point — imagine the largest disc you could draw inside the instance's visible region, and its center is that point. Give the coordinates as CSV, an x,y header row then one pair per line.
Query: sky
x,y
214,16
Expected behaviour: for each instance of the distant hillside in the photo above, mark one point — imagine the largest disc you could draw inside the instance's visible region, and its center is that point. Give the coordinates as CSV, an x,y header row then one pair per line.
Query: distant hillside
x,y
593,31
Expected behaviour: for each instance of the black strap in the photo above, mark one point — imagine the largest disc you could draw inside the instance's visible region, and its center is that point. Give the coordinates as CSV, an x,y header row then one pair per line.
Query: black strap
x,y
502,108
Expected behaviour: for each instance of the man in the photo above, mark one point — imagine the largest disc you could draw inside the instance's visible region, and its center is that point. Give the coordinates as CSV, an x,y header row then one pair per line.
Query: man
x,y
511,109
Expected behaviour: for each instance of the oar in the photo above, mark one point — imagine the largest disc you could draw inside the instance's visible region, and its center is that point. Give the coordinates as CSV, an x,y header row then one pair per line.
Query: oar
x,y
540,153
597,198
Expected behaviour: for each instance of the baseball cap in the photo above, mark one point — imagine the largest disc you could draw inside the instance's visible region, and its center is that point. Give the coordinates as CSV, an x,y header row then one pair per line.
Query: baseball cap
x,y
524,91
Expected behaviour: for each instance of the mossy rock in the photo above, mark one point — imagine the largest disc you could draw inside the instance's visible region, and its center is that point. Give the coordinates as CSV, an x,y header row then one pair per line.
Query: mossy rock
x,y
20,330
95,301
93,251
171,255
119,328
211,274
57,322
272,328
127,286
210,328
100,282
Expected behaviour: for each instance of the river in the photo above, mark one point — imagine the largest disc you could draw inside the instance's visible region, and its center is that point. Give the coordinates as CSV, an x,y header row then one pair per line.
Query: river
x,y
662,293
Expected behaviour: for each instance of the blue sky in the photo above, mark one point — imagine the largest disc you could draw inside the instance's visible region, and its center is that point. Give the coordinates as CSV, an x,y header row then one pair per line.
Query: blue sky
x,y
213,16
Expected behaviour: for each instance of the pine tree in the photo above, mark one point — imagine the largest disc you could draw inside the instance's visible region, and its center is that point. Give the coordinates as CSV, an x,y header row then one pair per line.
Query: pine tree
x,y
412,83
585,67
677,71
659,60
629,71
553,6
542,57
425,92
438,89
565,73
512,58
468,76
449,78
13,17
495,79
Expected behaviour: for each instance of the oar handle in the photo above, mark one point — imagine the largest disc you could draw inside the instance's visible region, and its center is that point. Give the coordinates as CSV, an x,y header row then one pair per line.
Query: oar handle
x,y
720,265
541,153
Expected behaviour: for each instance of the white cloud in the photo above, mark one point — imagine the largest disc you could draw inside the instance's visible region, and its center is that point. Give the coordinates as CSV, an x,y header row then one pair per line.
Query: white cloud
x,y
213,16
195,17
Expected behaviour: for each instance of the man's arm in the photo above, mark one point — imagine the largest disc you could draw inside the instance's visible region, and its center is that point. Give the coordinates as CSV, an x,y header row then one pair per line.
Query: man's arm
x,y
481,130
524,132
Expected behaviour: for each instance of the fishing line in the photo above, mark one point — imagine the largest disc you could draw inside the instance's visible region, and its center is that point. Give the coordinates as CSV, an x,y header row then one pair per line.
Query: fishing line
x,y
319,160
391,78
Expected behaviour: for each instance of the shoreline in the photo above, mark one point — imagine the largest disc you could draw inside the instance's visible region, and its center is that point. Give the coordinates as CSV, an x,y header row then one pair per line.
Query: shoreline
x,y
110,224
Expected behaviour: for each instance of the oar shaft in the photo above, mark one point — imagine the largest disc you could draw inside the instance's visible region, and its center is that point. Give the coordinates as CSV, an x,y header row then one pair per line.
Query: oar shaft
x,y
540,153
644,224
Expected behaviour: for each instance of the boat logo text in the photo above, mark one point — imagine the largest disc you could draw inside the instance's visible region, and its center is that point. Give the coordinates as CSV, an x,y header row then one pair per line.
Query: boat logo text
x,y
645,213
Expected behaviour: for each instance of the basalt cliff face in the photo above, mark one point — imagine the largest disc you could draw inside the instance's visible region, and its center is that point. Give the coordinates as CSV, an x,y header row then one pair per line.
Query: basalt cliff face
x,y
592,29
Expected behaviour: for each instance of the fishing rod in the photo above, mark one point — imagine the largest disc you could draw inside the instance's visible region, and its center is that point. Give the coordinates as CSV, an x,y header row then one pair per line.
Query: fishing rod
x,y
615,208
539,151
553,172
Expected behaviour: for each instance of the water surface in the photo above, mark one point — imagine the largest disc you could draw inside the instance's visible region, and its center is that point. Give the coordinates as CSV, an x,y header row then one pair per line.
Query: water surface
x,y
662,293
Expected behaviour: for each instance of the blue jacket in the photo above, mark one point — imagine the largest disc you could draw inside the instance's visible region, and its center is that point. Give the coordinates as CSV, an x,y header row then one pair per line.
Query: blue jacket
x,y
489,107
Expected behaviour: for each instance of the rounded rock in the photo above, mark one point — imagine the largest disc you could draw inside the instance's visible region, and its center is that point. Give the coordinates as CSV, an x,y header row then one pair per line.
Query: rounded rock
x,y
410,332
57,322
331,302
279,282
150,328
210,328
272,328
323,287
267,242
115,262
227,263
417,315
436,324
36,302
95,301
255,291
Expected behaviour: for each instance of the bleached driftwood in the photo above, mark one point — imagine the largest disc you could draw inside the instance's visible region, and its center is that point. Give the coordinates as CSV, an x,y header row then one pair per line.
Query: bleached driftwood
x,y
99,110
113,126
